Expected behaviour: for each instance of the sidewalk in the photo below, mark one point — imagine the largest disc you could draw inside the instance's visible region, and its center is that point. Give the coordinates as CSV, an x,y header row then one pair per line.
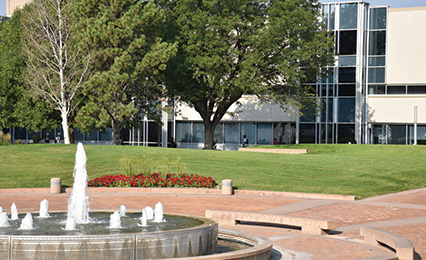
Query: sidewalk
x,y
401,213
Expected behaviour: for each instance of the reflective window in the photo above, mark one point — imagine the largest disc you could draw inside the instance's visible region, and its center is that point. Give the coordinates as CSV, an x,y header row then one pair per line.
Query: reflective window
x,y
347,61
347,75
106,136
346,90
93,136
376,75
348,16
249,130
183,132
377,43
264,133
421,134
378,18
416,90
346,133
332,16
347,42
397,134
376,90
396,90
284,133
198,133
218,133
154,132
307,133
346,110
325,15
376,61
232,133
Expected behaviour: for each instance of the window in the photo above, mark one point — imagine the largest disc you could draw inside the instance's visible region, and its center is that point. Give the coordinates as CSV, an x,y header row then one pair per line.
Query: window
x,y
264,133
346,90
396,90
198,133
249,130
397,134
376,75
377,43
218,133
347,61
378,18
232,133
347,75
346,110
347,43
348,16
376,61
416,90
307,133
183,131
346,133
376,90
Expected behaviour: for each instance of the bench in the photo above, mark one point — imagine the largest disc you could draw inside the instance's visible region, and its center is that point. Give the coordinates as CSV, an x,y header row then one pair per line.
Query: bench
x,y
311,226
403,247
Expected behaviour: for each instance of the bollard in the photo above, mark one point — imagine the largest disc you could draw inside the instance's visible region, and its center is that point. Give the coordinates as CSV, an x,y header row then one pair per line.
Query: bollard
x,y
226,187
55,185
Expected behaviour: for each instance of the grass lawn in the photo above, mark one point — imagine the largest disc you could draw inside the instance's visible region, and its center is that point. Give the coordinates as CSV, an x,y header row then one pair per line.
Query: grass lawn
x,y
362,170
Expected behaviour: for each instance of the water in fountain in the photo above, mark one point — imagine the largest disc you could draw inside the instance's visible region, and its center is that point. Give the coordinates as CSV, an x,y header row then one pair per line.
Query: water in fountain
x,y
158,213
144,219
1,209
44,209
122,211
78,203
4,221
149,212
27,222
70,224
115,221
14,212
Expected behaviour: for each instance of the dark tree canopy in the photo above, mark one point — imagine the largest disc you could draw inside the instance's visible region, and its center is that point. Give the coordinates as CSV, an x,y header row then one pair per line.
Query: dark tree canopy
x,y
231,48
129,55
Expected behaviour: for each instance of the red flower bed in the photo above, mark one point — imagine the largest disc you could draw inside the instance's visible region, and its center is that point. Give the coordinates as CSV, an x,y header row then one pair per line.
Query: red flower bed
x,y
153,180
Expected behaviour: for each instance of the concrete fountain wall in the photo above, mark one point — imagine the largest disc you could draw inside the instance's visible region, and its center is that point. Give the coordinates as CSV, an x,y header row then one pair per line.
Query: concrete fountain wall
x,y
200,240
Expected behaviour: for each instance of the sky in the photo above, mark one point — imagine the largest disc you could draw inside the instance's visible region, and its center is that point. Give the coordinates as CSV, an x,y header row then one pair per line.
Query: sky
x,y
391,3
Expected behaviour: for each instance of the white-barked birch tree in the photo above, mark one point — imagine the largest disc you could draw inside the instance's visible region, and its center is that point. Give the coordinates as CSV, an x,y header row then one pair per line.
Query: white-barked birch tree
x,y
55,67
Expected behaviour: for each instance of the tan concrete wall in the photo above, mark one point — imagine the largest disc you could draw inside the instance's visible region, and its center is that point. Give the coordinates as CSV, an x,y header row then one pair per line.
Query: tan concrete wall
x,y
11,5
250,110
406,52
397,109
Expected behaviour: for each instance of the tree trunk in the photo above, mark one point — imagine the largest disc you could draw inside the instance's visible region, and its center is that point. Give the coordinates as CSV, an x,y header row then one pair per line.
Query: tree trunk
x,y
64,117
116,131
209,135
71,131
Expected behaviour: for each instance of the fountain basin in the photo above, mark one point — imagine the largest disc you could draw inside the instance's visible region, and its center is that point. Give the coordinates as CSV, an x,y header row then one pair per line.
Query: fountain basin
x,y
194,241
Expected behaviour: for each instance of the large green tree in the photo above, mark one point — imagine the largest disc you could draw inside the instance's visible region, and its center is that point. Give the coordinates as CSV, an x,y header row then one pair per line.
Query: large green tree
x,y
268,48
18,107
129,55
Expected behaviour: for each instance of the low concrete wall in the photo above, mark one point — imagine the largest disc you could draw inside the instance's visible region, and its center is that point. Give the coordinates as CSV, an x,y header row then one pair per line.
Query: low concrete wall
x,y
284,151
404,248
311,226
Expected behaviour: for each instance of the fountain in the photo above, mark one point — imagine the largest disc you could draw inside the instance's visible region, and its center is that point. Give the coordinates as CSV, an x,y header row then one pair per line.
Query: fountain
x,y
4,220
14,212
124,238
44,209
27,222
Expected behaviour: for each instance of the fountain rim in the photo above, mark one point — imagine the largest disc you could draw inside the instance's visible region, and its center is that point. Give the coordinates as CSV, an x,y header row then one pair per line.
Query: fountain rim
x,y
207,223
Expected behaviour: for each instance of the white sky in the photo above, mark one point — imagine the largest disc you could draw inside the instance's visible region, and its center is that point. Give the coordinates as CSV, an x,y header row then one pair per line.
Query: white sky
x,y
391,3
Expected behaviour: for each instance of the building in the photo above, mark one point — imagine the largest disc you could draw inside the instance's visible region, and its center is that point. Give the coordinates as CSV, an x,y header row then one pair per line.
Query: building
x,y
376,93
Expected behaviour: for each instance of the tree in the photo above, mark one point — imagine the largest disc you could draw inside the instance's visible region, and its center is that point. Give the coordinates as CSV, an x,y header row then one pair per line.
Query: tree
x,y
231,48
18,108
56,65
129,54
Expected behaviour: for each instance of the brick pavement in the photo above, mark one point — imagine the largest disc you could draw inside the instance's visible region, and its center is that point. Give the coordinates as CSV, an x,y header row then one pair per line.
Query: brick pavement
x,y
401,213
